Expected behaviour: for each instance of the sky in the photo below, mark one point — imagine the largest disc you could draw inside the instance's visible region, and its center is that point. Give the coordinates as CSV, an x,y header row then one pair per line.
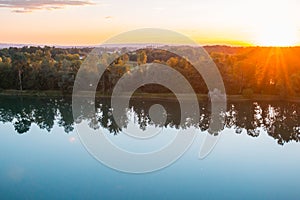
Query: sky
x,y
90,22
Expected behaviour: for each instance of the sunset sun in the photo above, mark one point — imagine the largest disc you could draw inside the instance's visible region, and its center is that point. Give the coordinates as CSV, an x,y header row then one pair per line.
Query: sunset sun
x,y
276,36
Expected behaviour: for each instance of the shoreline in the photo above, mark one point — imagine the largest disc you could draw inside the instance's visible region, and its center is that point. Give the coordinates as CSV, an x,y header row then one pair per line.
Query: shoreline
x,y
154,96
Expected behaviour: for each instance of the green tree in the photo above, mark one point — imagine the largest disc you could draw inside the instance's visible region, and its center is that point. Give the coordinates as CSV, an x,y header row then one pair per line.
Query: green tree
x,y
19,63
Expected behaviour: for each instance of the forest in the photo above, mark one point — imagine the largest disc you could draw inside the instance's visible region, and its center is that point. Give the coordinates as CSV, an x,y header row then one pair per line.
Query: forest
x,y
245,70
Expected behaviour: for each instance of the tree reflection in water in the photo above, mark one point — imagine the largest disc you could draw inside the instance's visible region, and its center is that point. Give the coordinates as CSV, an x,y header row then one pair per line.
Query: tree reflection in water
x,y
281,120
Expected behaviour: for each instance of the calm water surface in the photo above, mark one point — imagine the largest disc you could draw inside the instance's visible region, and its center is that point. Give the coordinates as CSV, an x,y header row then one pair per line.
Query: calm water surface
x,y
42,157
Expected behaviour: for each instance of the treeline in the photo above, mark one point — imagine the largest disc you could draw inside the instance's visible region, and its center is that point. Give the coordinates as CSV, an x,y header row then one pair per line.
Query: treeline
x,y
245,70
259,70
37,68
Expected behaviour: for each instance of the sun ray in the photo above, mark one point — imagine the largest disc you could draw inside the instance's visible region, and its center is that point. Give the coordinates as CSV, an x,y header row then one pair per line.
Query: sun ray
x,y
265,67
282,65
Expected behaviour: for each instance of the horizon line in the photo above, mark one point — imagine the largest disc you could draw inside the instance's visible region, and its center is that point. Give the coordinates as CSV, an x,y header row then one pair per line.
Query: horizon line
x,y
21,45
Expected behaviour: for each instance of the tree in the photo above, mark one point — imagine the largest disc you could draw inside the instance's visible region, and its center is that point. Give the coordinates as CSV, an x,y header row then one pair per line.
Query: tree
x,y
142,58
19,62
67,77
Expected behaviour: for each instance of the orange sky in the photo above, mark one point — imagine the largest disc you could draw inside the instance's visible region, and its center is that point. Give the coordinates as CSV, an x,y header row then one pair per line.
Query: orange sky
x,y
91,22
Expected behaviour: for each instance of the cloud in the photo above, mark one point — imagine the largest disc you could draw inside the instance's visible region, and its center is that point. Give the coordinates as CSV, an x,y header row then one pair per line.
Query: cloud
x,y
25,6
108,17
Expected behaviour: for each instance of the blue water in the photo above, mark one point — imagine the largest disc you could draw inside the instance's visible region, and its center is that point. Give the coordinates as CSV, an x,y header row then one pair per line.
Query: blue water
x,y
55,165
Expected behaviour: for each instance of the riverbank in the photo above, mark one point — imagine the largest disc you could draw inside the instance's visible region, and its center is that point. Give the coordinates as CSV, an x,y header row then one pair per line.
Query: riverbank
x,y
160,96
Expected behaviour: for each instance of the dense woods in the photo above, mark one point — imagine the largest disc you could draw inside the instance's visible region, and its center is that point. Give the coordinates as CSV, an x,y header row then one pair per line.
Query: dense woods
x,y
36,68
245,70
